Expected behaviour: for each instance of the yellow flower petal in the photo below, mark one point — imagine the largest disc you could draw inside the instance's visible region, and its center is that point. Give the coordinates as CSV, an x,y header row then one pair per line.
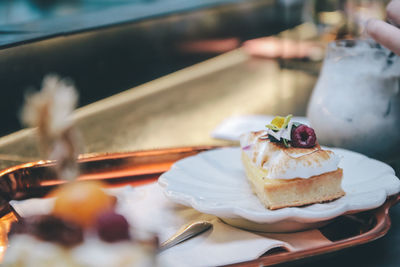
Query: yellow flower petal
x,y
278,121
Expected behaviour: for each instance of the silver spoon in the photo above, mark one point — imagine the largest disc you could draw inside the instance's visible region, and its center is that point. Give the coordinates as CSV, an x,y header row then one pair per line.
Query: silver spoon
x,y
186,232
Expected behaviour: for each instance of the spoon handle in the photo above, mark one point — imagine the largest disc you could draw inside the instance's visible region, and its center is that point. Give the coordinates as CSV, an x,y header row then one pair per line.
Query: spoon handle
x,y
185,233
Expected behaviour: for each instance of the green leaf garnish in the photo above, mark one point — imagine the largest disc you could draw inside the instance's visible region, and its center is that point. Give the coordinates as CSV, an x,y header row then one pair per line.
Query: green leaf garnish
x,y
285,142
287,120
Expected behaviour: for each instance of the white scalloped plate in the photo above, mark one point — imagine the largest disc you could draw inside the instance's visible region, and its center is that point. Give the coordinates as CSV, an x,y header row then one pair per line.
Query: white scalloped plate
x,y
214,182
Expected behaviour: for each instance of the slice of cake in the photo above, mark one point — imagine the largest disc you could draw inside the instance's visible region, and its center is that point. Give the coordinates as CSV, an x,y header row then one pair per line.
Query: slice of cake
x,y
286,167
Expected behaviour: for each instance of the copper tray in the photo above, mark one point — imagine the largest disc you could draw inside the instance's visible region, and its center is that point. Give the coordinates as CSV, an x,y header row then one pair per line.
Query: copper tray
x,y
135,168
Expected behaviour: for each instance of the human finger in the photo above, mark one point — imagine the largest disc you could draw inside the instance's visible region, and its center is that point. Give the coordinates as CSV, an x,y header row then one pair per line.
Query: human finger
x,y
385,34
393,12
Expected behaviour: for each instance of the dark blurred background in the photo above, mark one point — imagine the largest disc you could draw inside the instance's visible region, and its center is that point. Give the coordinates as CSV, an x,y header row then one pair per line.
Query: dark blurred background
x,y
107,46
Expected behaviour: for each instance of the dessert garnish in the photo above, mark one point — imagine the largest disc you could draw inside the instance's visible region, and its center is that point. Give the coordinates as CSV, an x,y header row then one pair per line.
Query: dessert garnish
x,y
303,136
112,227
50,110
79,208
81,202
50,228
290,134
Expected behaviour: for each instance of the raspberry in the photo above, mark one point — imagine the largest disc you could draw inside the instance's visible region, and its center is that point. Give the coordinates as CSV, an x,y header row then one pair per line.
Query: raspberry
x,y
303,136
112,227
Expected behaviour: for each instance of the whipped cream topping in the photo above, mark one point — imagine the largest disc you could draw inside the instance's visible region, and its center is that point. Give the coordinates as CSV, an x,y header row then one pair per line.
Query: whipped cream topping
x,y
287,163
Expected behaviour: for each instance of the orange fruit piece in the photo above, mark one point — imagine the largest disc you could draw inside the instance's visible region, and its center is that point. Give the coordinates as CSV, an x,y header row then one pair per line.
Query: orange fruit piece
x,y
81,202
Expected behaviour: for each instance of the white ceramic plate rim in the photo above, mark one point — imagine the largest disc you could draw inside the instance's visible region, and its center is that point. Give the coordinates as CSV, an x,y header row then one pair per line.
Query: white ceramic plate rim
x,y
383,185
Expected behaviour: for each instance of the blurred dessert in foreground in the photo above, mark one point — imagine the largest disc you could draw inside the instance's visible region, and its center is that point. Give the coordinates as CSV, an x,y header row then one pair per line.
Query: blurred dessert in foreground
x,y
83,228
286,167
